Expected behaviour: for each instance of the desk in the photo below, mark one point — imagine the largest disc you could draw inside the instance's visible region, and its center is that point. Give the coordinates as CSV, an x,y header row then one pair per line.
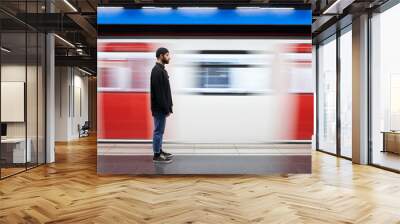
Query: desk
x,y
391,141
13,150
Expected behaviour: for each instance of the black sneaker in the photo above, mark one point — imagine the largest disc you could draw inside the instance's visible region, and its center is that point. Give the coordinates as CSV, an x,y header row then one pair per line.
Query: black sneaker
x,y
166,154
161,159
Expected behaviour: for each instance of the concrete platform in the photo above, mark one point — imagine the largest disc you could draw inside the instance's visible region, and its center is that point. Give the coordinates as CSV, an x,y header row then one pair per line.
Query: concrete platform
x,y
205,159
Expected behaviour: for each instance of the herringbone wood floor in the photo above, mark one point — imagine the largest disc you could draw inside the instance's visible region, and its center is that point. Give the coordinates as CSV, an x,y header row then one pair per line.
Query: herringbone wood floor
x,y
70,191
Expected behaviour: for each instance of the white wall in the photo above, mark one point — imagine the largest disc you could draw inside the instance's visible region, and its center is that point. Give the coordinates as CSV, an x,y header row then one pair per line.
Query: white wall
x,y
17,73
62,82
71,93
80,103
14,73
33,126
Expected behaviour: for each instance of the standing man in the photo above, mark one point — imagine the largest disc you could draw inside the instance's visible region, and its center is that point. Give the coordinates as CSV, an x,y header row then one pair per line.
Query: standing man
x,y
161,104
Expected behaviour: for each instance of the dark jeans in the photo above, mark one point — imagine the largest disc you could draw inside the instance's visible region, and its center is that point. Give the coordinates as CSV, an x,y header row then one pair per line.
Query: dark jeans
x,y
159,127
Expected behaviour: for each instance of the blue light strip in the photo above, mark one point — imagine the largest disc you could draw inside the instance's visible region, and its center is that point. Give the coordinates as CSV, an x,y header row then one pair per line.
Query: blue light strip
x,y
202,16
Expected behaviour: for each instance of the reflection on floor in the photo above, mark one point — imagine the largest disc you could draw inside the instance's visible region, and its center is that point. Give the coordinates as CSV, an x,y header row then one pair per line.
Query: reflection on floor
x,y
387,159
10,171
205,159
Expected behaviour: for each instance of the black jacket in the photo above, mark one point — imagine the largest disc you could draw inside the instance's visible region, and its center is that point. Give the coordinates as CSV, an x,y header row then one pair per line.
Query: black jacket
x,y
160,90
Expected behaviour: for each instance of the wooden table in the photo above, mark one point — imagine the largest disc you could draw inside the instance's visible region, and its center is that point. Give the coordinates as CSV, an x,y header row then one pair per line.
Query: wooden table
x,y
391,141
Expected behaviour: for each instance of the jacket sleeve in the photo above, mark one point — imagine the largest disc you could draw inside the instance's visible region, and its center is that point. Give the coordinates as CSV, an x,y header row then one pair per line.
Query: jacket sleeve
x,y
160,89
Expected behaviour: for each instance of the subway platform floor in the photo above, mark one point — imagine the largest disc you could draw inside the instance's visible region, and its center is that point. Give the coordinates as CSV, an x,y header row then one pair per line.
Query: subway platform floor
x,y
205,159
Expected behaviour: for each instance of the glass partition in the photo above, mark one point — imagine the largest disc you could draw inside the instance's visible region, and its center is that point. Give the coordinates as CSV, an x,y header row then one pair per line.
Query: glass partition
x,y
385,89
14,145
346,93
32,95
327,95
22,77
41,107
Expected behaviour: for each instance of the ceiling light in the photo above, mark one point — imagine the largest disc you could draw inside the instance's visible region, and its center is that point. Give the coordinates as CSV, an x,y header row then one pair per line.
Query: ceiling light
x,y
247,7
111,7
152,7
333,6
84,71
199,8
280,8
266,8
5,50
70,5
65,41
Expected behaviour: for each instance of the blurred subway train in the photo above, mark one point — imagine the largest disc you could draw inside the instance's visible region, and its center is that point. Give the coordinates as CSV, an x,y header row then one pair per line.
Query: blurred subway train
x,y
224,90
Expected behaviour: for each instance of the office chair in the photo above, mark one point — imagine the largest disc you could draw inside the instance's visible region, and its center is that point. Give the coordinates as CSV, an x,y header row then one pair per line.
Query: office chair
x,y
84,130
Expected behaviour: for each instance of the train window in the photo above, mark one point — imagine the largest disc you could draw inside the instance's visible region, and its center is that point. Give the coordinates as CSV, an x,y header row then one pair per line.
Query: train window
x,y
213,75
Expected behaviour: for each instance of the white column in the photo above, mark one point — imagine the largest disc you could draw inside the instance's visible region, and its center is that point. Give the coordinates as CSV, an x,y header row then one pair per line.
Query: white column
x,y
50,92
50,99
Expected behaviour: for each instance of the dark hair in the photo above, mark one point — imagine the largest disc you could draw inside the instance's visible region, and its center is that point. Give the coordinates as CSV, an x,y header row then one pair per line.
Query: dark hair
x,y
160,51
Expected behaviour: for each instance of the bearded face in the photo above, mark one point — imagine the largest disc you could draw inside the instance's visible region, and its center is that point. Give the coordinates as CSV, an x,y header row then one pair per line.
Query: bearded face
x,y
165,58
